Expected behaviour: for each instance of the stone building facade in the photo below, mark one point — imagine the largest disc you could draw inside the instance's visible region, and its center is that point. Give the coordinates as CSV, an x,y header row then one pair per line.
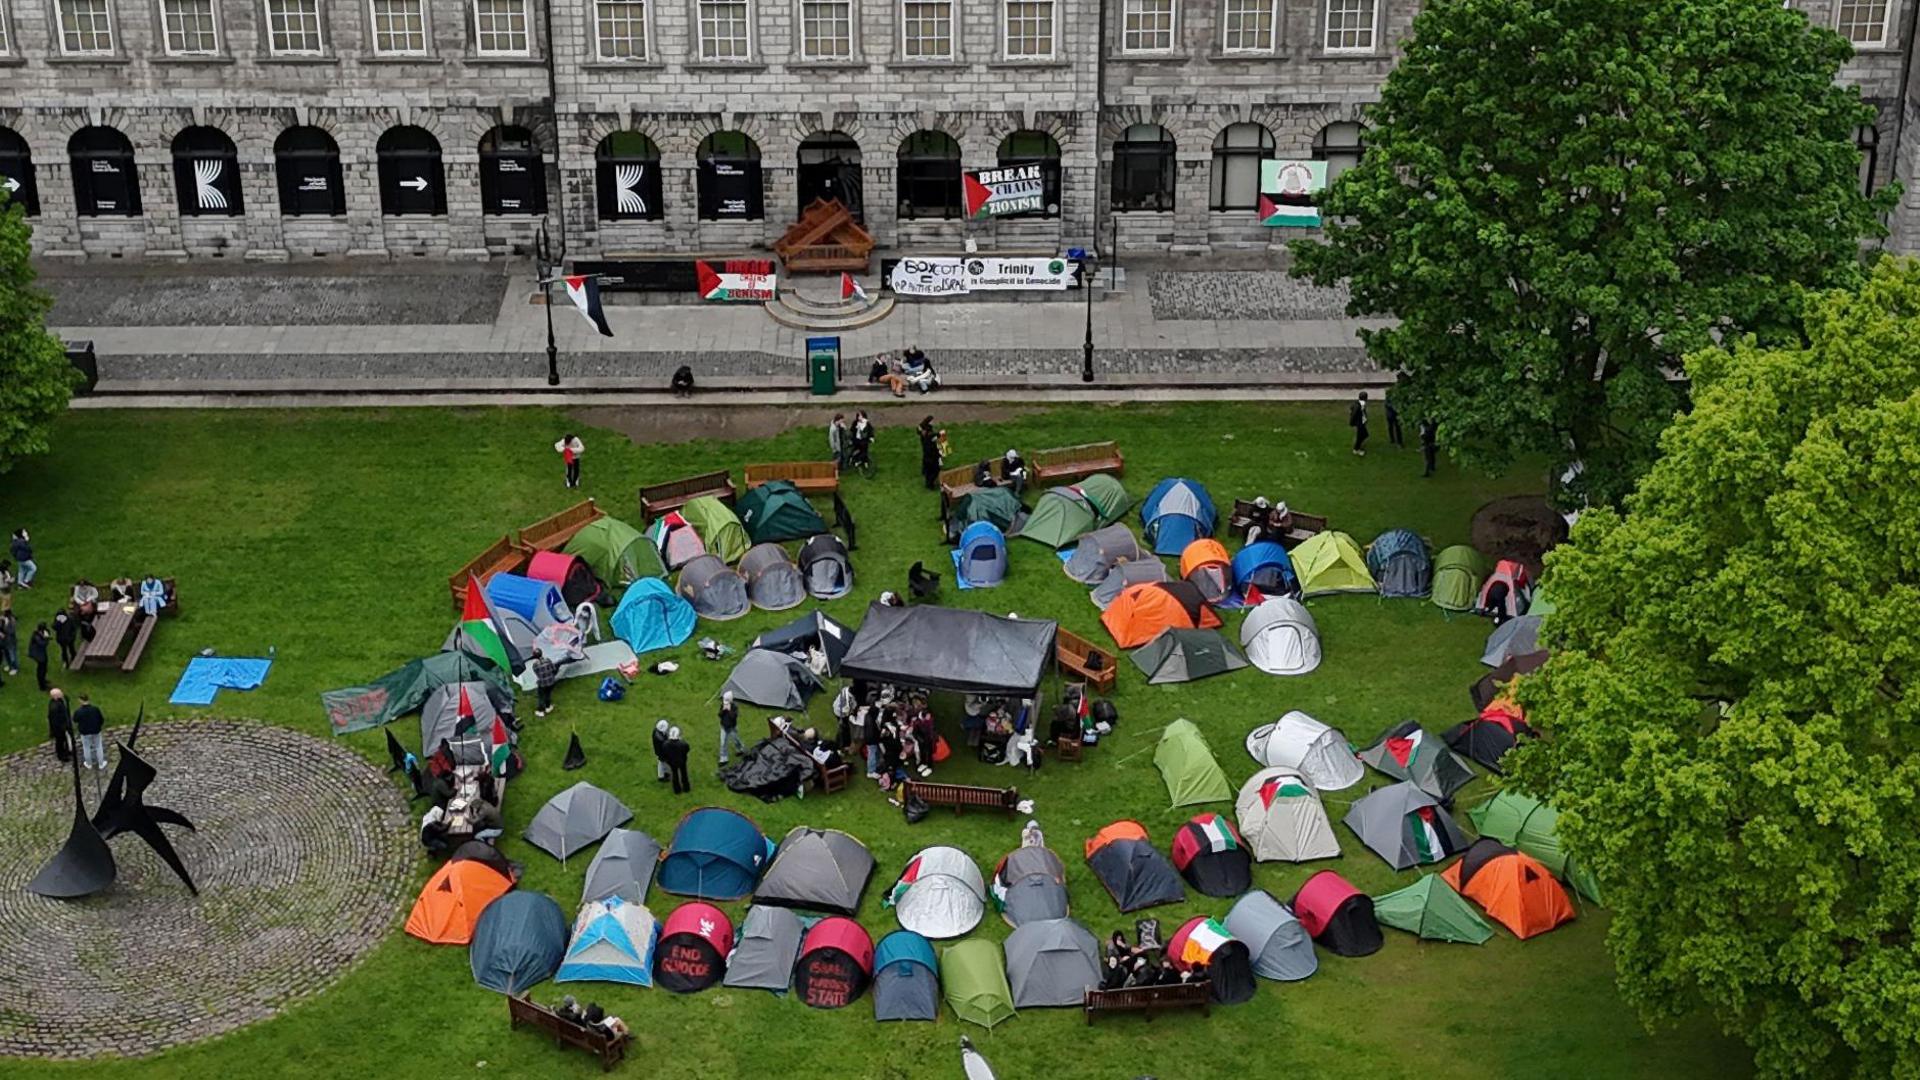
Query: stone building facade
x,y
269,129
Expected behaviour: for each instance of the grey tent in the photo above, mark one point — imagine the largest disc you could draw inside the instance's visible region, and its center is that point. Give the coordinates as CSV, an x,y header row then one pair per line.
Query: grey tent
x,y
1409,752
1405,826
622,867
1052,962
773,582
813,630
762,958
819,870
1177,656
772,680
518,942
1281,947
1514,638
906,978
713,588
1126,575
825,565
1030,884
574,819
440,716
968,652
1100,551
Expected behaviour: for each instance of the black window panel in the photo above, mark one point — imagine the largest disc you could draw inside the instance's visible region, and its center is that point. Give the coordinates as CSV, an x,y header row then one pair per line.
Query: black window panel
x,y
1035,147
412,182
513,182
629,189
307,166
104,181
16,172
730,189
928,179
1143,176
206,173
829,168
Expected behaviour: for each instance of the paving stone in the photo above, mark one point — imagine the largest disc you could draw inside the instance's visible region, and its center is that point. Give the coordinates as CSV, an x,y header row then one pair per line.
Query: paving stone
x,y
1246,294
175,297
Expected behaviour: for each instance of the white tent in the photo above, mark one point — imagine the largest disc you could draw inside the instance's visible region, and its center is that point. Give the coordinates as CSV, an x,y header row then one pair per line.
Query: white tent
x,y
1280,638
940,894
1282,819
1317,752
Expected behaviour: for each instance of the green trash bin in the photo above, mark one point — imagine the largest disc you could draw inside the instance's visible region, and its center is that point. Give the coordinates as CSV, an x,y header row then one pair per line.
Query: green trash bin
x,y
823,365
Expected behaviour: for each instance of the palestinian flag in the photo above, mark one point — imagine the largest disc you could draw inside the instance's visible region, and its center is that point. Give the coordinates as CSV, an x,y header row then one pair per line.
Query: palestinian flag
x,y
1254,596
850,289
907,878
480,630
1216,833
1281,787
499,744
1405,750
1427,841
584,291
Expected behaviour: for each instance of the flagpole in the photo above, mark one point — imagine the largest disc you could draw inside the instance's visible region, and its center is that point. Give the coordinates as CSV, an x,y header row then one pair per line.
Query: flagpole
x,y
546,292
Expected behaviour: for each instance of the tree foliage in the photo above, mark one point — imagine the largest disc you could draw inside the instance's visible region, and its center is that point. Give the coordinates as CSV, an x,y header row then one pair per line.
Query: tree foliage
x,y
35,378
1560,199
1730,705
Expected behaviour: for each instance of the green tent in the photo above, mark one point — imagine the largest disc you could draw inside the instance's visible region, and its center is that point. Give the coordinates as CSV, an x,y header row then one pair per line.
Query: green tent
x,y
1540,603
1457,574
1065,514
618,553
1526,823
974,975
401,691
995,505
718,528
1430,909
1108,496
1177,656
776,511
1188,767
1330,562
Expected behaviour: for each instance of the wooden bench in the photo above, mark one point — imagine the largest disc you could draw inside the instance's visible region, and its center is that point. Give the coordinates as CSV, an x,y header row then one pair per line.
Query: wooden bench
x,y
1150,999
958,481
1289,531
1066,464
552,533
611,1049
961,796
810,477
1071,652
829,778
658,499
501,557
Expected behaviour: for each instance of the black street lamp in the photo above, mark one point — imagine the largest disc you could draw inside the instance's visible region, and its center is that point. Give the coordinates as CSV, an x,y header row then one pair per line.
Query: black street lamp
x,y
1086,348
546,293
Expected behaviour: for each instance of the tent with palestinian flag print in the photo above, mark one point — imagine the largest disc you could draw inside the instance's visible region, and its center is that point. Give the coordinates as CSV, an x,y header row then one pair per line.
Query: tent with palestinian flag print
x,y
1405,826
1409,752
584,291
1287,189
1013,189
1211,854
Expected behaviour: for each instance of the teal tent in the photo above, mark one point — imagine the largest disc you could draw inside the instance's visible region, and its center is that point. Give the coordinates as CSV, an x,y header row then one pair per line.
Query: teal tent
x,y
776,511
400,692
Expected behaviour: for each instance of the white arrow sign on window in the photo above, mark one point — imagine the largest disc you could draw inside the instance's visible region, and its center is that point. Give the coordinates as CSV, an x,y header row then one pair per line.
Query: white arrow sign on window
x,y
418,183
11,184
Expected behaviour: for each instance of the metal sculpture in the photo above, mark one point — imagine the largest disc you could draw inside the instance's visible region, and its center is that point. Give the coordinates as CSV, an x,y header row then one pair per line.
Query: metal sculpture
x,y
85,864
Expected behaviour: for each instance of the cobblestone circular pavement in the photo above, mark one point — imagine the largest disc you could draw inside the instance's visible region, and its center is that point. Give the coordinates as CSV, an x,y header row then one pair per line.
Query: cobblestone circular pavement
x,y
303,863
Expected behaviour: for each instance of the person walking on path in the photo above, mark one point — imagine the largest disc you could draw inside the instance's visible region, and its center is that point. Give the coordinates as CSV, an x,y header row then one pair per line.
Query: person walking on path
x,y
545,674
20,548
59,725
1429,443
37,652
676,751
570,448
837,439
9,643
91,725
729,726
929,454
1357,420
66,631
660,730
1393,426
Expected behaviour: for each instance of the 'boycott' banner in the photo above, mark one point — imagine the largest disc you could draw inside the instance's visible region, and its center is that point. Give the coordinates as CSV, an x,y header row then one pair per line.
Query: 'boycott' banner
x,y
1016,189
959,276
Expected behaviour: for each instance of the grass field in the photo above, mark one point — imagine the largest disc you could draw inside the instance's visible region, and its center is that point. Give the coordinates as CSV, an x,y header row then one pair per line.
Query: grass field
x,y
329,535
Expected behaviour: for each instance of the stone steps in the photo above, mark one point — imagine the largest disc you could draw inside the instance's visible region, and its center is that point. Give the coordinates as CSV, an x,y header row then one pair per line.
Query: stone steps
x,y
794,309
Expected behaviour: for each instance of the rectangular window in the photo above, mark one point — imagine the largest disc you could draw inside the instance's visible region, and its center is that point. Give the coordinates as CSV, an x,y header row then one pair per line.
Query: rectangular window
x,y
1350,25
3,29
189,26
500,27
86,27
621,31
1249,25
826,29
293,27
1147,26
399,26
723,30
1030,29
1864,22
927,29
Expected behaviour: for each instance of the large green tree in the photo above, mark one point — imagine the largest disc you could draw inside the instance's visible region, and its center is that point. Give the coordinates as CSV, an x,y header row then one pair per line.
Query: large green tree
x,y
35,378
1730,708
1561,198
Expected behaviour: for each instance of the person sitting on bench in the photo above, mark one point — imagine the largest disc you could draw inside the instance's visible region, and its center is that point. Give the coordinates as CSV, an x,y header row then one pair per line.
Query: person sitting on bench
x,y
85,594
918,370
1014,468
820,751
153,595
1121,962
120,590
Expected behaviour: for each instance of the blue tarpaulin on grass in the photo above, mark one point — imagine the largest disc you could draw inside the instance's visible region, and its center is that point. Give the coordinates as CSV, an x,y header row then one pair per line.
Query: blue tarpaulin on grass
x,y
208,675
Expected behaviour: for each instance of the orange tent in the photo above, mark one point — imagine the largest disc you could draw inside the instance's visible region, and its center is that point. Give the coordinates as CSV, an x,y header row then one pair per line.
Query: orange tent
x,y
1141,611
1119,830
1200,553
453,900
1205,564
1513,887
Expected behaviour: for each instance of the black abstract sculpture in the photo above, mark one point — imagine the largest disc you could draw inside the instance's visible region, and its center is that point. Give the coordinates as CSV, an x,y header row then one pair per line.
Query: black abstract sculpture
x,y
84,864
131,814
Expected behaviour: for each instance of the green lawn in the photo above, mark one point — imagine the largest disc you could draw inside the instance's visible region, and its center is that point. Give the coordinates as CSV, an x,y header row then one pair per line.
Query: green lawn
x,y
329,536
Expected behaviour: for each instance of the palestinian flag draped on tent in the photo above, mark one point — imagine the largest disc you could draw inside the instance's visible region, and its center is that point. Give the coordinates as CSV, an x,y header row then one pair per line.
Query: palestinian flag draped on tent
x,y
584,291
482,632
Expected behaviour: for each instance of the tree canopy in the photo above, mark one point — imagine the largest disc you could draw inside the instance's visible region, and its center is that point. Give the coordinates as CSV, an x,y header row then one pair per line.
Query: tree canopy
x,y
35,378
1728,730
1561,198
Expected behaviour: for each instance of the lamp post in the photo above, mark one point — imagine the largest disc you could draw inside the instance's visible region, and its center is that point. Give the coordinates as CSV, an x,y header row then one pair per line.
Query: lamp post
x,y
546,293
1086,348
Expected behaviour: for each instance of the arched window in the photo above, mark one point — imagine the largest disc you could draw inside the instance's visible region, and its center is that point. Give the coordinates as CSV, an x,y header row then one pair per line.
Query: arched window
x,y
206,173
1340,146
1143,169
627,177
830,169
412,181
513,179
928,183
104,181
729,178
1866,137
1237,154
16,173
1036,148
306,161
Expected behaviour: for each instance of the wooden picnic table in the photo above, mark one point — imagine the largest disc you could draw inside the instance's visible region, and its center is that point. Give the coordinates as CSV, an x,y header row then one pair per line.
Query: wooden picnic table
x,y
110,625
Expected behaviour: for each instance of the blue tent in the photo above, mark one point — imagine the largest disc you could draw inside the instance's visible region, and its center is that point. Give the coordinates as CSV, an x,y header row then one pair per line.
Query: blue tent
x,y
981,558
1400,563
1176,512
906,978
716,854
612,942
652,616
1265,566
528,598
518,942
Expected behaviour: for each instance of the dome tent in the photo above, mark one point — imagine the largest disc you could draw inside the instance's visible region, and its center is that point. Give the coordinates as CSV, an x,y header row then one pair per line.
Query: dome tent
x,y
721,533
1052,962
447,706
1299,742
1280,946
1400,564
1282,818
1176,512
677,541
693,948
1264,567
827,567
1330,562
1514,888
1457,574
1141,612
518,943
835,965
1212,855
1507,592
1511,640
1429,909
1532,826
575,819
769,944
1098,552
1186,764
1405,826
487,855
714,589
981,559
940,894
773,581
1030,884
1204,944
618,553
1143,571
1280,637
568,573
1064,514
716,854
997,506
772,680
906,978
1177,656
1338,915
1408,751
613,941
1133,871
453,900
536,601
1205,565
974,976
817,869
814,630
652,616
776,511
1487,738
623,867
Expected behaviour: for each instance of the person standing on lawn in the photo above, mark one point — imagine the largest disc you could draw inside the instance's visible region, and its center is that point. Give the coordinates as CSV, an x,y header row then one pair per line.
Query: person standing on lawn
x,y
929,454
676,751
660,750
91,726
570,448
9,642
59,725
545,674
66,631
838,440
37,652
729,726
1429,443
1357,420
21,549
1393,426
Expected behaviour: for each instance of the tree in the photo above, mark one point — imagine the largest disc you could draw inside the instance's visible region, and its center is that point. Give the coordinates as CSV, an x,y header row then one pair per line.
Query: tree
x,y
1560,199
35,377
1729,735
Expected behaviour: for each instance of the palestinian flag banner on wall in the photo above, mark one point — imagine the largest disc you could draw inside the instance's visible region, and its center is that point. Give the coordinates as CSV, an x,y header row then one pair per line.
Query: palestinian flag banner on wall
x,y
750,280
1016,189
1287,189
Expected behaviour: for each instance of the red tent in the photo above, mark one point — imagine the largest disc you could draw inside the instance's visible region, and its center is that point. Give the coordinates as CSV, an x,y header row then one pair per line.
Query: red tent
x,y
835,965
1506,591
693,949
1338,915
568,573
